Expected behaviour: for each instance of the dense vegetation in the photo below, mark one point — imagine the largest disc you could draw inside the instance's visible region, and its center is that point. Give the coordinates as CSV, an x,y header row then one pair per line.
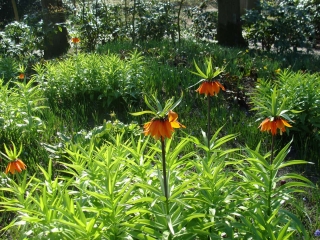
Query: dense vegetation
x,y
76,122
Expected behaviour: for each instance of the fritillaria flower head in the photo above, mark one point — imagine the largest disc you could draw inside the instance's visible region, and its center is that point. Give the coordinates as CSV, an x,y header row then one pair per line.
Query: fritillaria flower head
x,y
208,84
75,40
273,110
15,164
165,120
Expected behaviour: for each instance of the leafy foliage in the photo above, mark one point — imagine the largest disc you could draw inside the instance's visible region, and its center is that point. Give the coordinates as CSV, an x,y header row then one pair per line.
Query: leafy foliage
x,y
283,26
96,24
21,41
301,91
204,23
114,191
102,79
21,107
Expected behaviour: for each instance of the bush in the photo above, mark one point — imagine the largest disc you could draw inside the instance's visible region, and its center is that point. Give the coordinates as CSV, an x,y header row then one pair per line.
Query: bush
x,y
8,69
155,21
97,25
302,93
100,79
204,23
21,107
283,26
20,41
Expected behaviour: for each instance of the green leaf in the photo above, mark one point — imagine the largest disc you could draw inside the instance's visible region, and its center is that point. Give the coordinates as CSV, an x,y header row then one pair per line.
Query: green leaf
x,y
143,112
149,105
282,234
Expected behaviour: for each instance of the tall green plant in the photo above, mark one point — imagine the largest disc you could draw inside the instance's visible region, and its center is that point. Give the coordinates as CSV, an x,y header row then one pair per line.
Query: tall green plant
x,y
104,80
270,190
21,107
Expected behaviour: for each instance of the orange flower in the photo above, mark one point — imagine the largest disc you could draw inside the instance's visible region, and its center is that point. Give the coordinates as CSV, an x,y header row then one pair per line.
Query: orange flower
x,y
16,165
277,123
75,40
173,117
162,128
21,76
210,87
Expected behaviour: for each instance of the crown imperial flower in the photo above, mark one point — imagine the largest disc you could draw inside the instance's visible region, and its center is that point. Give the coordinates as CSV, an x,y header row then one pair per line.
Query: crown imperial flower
x,y
210,88
75,40
15,166
21,76
274,124
162,127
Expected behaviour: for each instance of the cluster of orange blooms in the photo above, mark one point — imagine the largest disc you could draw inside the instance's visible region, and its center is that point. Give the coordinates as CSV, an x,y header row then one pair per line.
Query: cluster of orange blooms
x,y
75,40
162,128
21,76
273,125
210,88
15,166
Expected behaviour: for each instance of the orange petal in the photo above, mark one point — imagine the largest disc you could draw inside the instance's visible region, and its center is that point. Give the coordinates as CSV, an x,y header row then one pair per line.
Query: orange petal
x,y
17,166
285,123
146,128
154,128
172,116
273,127
220,85
168,129
21,164
215,88
265,125
8,168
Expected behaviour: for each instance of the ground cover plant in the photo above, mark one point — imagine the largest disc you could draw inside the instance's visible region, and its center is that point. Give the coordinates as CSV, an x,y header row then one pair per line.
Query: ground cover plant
x,y
141,139
105,180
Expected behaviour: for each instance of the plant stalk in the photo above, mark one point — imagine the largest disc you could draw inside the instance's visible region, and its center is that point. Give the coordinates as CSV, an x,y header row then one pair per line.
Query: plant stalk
x,y
272,143
164,170
270,178
208,132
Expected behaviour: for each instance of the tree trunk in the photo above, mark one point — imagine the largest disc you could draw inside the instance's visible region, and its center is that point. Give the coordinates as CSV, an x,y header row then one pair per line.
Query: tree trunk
x,y
229,31
56,36
15,10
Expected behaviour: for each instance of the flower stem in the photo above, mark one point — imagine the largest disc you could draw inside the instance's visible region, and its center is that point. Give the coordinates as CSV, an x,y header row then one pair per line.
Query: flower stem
x,y
270,178
272,144
208,133
164,168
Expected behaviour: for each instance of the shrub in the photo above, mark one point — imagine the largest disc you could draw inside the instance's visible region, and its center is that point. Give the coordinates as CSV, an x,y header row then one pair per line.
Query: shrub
x,y
100,79
21,107
302,93
97,24
284,26
20,40
8,69
155,21
115,191
204,23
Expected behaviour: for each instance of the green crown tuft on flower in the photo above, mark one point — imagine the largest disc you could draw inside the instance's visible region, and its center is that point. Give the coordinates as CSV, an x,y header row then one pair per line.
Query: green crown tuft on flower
x,y
209,85
15,164
273,109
